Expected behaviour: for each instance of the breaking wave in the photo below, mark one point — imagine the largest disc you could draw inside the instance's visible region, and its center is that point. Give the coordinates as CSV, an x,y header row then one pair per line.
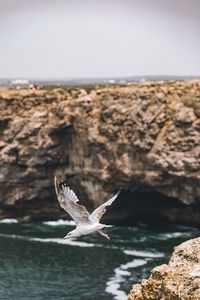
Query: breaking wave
x,y
69,242
144,253
61,241
114,283
7,221
60,222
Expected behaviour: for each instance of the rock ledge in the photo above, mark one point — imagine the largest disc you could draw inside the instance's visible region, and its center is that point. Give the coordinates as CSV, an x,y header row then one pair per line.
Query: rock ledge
x,y
179,280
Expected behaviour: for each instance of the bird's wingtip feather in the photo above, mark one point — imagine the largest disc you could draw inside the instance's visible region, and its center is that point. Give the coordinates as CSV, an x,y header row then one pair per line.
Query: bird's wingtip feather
x,y
56,184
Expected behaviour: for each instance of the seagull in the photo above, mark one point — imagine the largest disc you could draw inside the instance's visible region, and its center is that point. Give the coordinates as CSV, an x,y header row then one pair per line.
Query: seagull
x,y
85,223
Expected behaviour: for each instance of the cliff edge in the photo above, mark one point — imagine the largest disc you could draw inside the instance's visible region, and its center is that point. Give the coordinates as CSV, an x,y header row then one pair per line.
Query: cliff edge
x,y
143,138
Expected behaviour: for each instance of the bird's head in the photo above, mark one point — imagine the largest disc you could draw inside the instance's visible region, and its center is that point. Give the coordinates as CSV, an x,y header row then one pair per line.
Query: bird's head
x,y
72,234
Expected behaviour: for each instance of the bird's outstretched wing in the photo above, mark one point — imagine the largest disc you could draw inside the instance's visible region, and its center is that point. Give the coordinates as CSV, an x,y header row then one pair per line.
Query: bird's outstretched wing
x,y
68,201
99,211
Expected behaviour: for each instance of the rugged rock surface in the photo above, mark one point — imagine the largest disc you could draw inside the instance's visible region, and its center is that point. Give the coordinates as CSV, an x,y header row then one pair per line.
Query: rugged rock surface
x,y
179,280
143,138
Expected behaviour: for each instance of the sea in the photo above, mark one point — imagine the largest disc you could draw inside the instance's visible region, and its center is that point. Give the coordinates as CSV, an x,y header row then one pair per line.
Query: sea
x,y
37,263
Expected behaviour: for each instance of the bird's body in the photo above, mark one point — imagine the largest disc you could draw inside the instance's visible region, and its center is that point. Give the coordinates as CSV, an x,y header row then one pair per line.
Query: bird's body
x,y
85,223
85,229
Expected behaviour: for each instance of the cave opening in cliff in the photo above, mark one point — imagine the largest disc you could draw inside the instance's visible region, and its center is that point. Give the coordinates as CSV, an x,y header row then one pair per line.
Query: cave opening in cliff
x,y
152,208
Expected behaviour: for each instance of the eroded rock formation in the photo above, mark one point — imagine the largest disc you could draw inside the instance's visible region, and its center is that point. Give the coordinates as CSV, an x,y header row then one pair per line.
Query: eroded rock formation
x,y
179,280
143,138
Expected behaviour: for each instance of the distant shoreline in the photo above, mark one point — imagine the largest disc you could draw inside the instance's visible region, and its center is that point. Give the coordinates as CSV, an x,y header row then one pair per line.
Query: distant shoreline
x,y
27,82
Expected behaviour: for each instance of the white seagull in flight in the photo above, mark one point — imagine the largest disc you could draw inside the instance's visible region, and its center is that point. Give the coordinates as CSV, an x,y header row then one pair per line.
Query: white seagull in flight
x,y
85,223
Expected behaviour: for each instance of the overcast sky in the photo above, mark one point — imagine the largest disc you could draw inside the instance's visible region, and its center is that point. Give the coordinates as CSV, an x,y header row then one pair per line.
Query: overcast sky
x,y
99,38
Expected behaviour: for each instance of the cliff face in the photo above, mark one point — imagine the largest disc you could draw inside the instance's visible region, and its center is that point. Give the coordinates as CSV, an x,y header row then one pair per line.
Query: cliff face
x,y
179,280
143,138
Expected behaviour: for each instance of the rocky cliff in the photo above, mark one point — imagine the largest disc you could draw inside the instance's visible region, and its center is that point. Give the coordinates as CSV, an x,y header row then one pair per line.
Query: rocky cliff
x,y
179,280
143,138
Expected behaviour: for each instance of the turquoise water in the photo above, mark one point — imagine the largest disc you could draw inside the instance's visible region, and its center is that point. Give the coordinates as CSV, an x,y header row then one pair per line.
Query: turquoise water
x,y
36,263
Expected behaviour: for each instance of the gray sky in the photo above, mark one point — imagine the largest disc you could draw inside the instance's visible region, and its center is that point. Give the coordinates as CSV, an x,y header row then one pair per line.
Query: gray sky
x,y
99,38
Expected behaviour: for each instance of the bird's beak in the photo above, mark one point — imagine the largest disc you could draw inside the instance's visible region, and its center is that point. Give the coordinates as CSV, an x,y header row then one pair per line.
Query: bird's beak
x,y
68,237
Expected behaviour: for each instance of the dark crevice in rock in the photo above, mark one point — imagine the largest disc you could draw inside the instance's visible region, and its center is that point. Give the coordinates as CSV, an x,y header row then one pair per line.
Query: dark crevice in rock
x,y
4,124
153,208
62,132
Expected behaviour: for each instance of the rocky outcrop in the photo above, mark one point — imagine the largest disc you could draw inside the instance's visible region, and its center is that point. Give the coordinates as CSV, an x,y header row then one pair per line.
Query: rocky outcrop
x,y
179,280
143,138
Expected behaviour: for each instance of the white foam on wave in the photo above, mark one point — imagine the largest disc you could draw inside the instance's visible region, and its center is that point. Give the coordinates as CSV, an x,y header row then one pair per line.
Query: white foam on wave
x,y
69,242
134,264
7,221
144,253
13,236
113,284
60,222
63,242
171,235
